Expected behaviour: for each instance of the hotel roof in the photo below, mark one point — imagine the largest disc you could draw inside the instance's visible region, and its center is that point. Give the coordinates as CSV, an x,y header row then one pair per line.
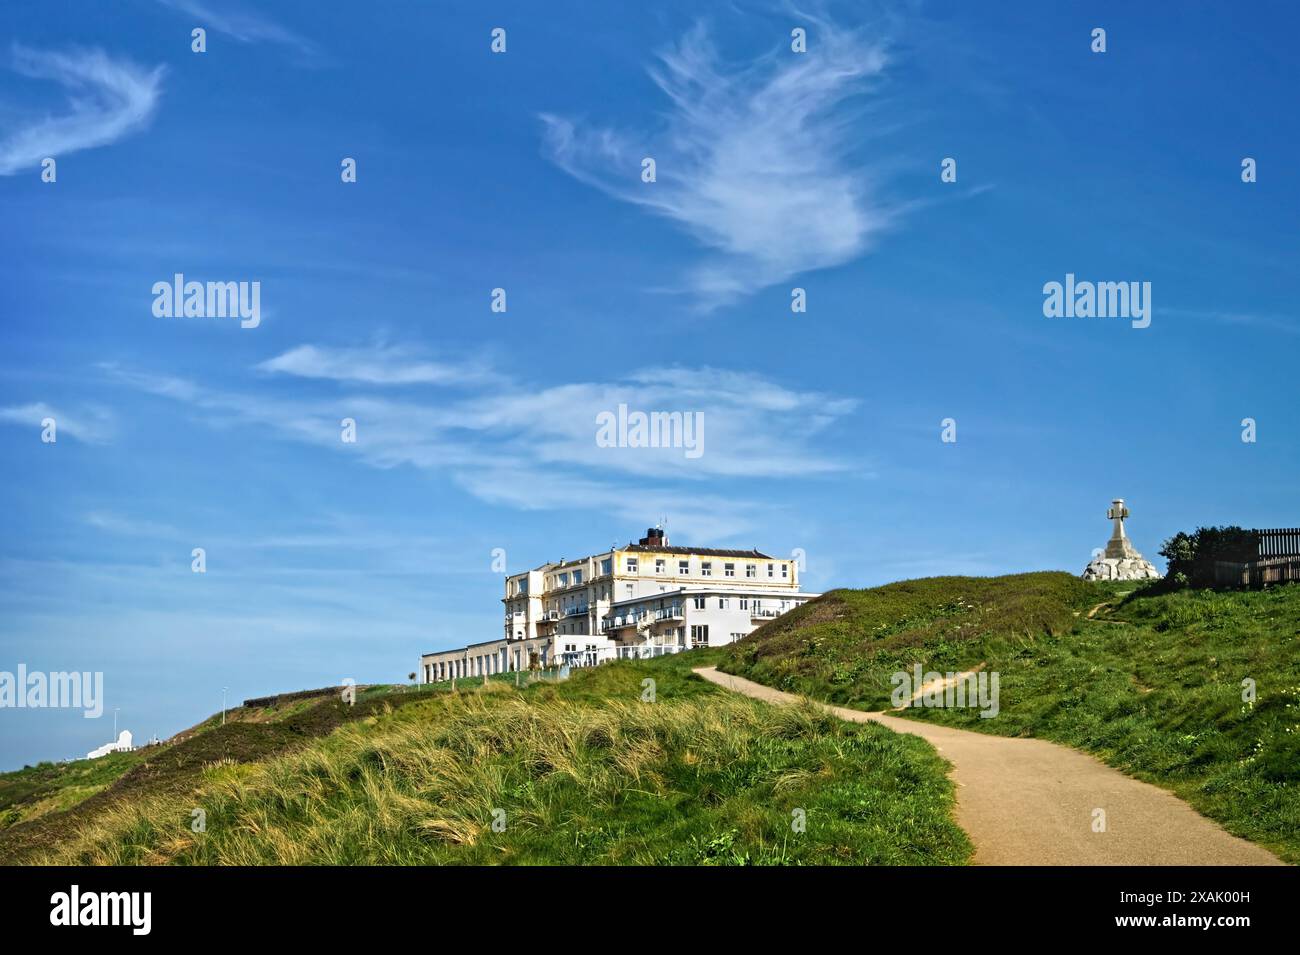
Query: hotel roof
x,y
701,551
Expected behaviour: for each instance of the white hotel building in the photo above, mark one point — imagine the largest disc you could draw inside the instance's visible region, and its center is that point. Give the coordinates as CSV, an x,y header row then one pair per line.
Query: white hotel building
x,y
641,600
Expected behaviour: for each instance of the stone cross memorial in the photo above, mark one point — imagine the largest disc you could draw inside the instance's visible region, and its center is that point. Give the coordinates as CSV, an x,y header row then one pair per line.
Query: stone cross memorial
x,y
1120,560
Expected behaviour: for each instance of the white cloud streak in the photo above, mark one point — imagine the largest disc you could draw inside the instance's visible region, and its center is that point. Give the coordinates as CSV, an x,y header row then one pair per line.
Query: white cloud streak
x,y
379,365
93,426
1261,321
536,449
241,26
112,523
108,99
750,161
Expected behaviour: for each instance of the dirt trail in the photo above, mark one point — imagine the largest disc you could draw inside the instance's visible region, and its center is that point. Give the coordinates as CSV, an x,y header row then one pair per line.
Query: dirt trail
x,y
1031,802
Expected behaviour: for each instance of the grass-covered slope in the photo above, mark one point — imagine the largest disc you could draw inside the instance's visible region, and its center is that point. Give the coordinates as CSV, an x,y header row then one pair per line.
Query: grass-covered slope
x,y
585,771
36,791
1151,684
843,646
43,804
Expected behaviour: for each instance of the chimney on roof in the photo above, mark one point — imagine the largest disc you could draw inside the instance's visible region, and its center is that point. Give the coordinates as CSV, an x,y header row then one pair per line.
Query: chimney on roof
x,y
655,536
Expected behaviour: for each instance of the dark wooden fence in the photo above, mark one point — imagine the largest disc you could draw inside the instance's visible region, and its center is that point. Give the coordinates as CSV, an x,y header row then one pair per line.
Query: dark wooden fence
x,y
1276,561
1228,573
1278,543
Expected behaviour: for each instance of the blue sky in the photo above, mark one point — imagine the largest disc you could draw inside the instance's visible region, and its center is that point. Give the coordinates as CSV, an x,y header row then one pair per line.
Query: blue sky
x,y
521,171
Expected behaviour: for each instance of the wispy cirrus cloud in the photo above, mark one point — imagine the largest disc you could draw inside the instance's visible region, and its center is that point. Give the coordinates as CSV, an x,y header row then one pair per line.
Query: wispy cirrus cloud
x,y
376,365
242,26
1261,321
751,160
536,448
89,426
118,524
108,98
752,426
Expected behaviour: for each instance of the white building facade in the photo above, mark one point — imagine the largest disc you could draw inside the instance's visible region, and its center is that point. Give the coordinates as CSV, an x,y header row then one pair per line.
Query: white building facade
x,y
644,599
120,745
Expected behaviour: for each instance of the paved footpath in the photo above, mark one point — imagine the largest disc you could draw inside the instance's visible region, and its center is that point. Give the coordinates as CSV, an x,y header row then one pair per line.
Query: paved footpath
x,y
1031,802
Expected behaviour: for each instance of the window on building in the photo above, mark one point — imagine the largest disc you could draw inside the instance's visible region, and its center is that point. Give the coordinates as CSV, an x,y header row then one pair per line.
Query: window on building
x,y
629,589
729,570
722,603
564,580
706,568
771,570
661,566
700,634
606,566
744,603
785,571
577,576
683,567
751,570
699,603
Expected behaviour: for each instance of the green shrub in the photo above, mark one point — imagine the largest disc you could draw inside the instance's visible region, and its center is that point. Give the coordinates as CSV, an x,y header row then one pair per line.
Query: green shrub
x,y
1191,557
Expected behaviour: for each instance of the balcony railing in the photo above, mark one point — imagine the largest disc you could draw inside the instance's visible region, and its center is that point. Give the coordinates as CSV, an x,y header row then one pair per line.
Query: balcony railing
x,y
670,613
619,622
576,611
591,658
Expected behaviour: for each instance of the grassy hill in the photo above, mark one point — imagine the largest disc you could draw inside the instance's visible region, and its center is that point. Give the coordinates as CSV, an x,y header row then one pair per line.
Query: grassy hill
x,y
36,791
1151,683
44,804
587,772
584,772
